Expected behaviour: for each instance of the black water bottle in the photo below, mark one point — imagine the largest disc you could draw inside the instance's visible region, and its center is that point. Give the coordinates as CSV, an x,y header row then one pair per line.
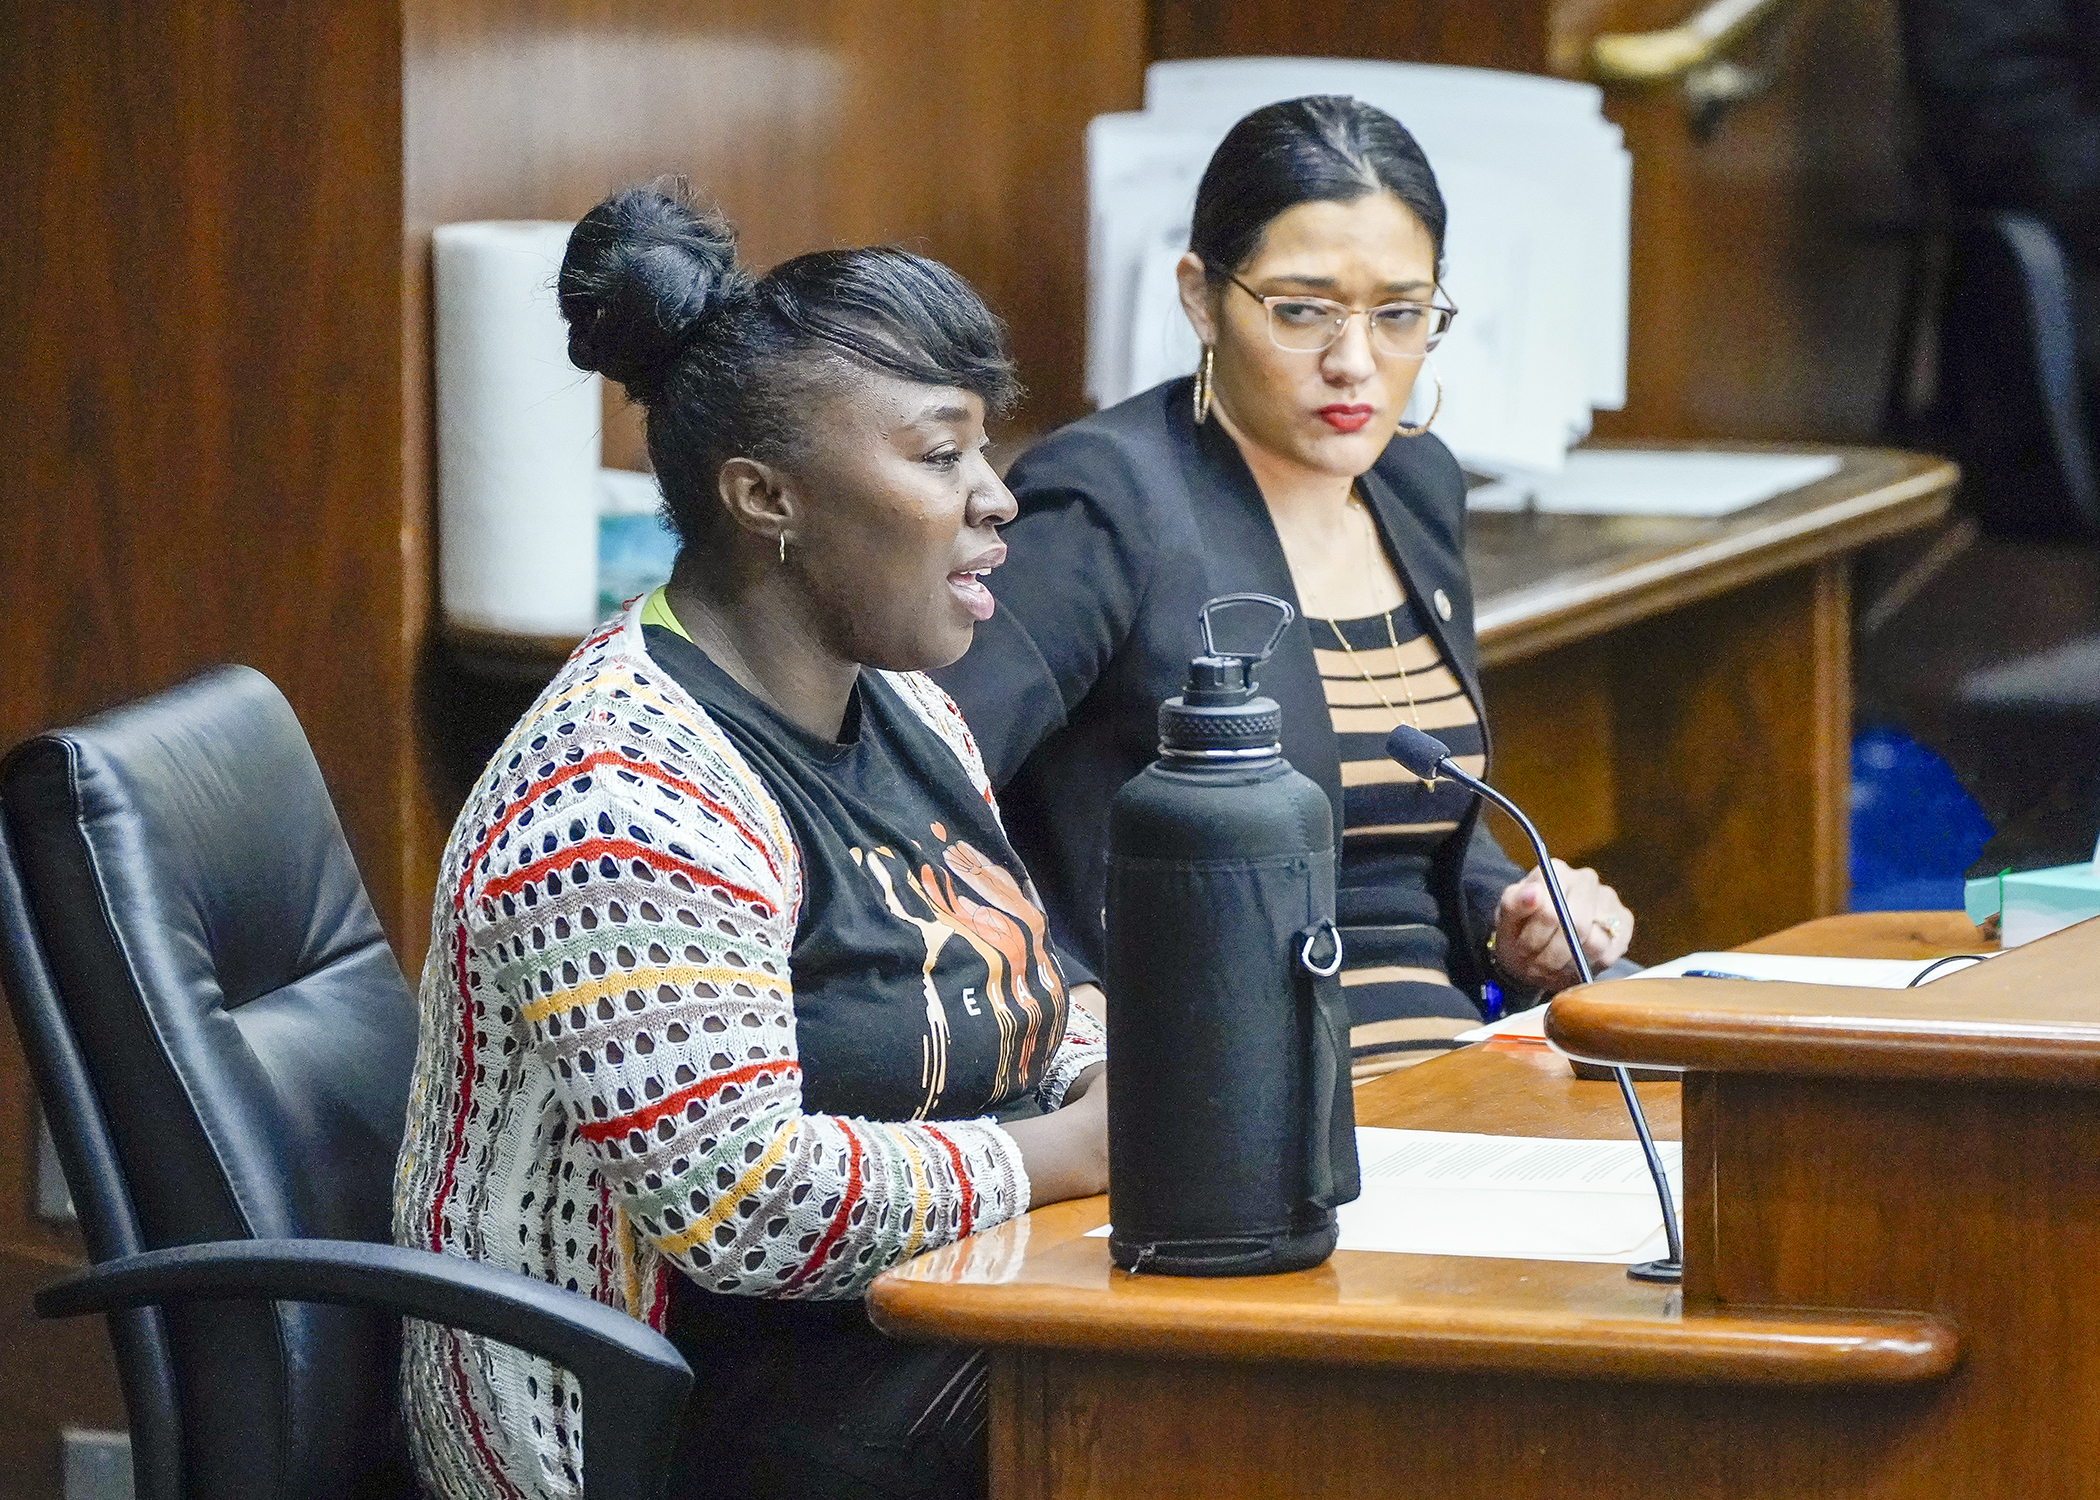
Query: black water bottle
x,y
1231,1136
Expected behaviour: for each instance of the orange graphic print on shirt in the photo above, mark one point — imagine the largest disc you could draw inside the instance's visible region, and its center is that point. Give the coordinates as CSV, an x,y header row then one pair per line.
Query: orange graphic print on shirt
x,y
969,896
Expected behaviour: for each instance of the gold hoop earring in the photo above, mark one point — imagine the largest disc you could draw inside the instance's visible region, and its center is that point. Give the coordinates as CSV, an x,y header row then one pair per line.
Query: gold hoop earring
x,y
1202,392
1404,430
783,549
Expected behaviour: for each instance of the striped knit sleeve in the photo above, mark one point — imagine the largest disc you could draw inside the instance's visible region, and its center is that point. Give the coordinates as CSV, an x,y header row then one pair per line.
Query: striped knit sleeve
x,y
1085,1043
641,925
938,711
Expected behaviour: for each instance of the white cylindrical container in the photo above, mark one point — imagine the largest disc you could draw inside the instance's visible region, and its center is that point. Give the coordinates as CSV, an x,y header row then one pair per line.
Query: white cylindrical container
x,y
518,436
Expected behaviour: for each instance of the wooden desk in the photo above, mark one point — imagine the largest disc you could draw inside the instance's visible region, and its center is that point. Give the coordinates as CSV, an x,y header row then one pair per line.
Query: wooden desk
x,y
1891,1288
1671,699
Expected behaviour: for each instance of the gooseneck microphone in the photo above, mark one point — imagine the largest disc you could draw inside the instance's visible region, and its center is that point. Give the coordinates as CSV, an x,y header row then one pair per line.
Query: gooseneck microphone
x,y
1427,756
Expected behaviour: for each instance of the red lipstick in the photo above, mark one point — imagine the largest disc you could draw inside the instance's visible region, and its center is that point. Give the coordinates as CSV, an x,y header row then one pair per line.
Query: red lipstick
x,y
1345,418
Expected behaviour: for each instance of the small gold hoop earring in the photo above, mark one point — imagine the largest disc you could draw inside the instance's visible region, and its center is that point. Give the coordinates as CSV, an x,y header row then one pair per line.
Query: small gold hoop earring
x,y
783,549
1406,431
1202,391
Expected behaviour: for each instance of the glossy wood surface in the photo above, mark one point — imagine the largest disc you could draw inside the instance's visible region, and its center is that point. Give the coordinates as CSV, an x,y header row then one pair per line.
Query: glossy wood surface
x,y
2029,1016
1108,1428
1947,1205
199,366
1974,1202
1040,1282
1967,1190
1878,934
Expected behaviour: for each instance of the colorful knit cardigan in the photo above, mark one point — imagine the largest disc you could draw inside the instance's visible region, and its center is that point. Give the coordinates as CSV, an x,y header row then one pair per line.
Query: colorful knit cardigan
x,y
606,1089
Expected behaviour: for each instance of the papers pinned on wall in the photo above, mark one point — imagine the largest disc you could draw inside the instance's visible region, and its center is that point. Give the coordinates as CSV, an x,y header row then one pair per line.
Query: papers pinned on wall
x,y
1538,187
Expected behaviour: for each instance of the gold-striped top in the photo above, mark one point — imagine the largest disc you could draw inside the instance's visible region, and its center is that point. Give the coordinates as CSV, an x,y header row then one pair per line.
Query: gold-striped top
x,y
1377,675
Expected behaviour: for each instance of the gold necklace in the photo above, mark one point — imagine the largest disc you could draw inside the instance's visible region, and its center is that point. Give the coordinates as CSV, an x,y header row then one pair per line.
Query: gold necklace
x,y
1414,713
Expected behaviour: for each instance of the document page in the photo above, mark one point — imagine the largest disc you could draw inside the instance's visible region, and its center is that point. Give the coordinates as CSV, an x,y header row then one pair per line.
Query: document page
x,y
1434,1192
1654,482
1784,968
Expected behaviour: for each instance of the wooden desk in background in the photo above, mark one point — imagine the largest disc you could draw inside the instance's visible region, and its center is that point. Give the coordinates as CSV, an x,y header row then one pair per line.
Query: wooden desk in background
x,y
1892,1287
1671,699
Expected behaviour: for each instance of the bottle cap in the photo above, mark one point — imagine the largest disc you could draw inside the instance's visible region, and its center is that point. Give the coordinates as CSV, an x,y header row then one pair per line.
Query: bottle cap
x,y
1218,716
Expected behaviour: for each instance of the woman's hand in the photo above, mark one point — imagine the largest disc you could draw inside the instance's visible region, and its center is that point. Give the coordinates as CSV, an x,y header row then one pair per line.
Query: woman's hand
x,y
1529,947
1066,1153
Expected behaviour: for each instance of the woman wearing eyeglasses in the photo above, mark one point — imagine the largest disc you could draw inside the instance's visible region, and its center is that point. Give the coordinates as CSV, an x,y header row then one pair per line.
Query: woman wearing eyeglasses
x,y
1283,467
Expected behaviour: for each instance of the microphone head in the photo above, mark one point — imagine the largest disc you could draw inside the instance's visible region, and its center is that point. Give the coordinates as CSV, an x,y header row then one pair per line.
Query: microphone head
x,y
1415,750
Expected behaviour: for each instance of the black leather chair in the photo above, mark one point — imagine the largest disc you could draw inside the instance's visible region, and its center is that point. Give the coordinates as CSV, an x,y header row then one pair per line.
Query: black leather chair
x,y
222,1040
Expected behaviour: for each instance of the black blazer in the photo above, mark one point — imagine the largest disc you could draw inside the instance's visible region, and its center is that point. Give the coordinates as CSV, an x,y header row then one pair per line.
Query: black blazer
x,y
1129,520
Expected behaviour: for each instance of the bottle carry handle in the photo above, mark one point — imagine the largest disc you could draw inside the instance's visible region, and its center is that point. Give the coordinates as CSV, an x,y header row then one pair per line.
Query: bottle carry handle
x,y
1332,1173
1284,612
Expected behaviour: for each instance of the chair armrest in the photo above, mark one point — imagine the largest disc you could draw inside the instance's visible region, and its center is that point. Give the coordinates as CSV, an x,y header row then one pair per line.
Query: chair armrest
x,y
634,1380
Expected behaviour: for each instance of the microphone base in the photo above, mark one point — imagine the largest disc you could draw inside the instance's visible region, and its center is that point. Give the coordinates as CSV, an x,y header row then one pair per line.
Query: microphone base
x,y
1671,1271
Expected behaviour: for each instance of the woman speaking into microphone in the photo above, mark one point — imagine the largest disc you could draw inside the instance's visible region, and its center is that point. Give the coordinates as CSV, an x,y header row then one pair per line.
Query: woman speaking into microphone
x,y
1282,467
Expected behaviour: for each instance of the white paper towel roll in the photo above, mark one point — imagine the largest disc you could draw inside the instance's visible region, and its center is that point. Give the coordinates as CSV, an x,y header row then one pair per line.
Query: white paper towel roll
x,y
519,432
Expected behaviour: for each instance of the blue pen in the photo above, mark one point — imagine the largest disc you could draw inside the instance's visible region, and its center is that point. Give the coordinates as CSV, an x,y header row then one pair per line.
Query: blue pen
x,y
1712,974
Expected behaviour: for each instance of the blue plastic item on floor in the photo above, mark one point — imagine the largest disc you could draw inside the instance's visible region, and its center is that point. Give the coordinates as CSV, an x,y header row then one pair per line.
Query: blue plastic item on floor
x,y
1914,830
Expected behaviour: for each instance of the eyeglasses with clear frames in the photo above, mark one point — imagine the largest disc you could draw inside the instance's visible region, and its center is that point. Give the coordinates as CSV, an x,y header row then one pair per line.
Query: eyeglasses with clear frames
x,y
1307,325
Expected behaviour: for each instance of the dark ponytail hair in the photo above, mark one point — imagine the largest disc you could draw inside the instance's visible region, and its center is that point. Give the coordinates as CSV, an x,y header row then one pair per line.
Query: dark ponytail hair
x,y
1324,148
656,299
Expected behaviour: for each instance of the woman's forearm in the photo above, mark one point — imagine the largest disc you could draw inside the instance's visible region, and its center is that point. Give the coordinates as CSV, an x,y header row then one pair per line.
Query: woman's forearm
x,y
1065,1153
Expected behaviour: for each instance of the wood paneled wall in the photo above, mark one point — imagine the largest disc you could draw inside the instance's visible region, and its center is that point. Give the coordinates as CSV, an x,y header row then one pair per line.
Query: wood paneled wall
x,y
199,377
199,366
1768,261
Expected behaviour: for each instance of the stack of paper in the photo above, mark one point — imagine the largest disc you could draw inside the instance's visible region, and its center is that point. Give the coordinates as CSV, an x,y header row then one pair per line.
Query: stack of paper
x,y
1537,183
1654,482
1435,1192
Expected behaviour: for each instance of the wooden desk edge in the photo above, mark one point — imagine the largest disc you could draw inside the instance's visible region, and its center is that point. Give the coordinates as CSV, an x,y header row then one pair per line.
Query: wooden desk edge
x,y
1772,1348
1825,1050
2013,1021
1516,630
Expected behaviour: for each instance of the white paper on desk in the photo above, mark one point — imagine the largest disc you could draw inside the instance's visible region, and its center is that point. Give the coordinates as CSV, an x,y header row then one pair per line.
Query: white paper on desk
x,y
1435,1192
1530,1023
1654,482
1864,973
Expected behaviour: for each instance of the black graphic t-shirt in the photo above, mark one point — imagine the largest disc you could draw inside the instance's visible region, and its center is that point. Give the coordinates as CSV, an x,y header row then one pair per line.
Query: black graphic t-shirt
x,y
925,986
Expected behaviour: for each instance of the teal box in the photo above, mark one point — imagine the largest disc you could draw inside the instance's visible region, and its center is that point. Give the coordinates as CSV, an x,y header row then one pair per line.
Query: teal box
x,y
2035,903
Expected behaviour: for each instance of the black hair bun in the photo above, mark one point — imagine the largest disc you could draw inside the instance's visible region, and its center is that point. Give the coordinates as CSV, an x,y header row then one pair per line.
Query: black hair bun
x,y
646,271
